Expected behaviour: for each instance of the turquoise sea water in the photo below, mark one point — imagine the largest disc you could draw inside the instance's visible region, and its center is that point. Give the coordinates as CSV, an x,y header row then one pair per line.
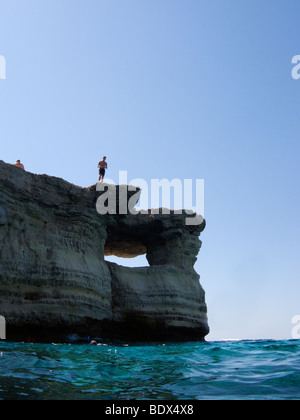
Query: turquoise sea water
x,y
263,369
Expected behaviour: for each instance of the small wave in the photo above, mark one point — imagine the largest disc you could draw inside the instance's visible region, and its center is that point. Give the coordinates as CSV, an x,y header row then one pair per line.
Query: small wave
x,y
227,369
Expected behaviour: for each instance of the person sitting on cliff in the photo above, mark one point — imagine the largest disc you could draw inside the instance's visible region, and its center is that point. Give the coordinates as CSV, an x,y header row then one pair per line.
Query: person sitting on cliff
x,y
18,164
103,166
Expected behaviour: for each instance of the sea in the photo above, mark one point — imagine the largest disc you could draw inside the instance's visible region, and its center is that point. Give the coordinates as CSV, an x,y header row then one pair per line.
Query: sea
x,y
193,371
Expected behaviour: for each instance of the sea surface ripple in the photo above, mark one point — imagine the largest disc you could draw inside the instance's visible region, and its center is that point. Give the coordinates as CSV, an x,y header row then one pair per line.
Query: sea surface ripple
x,y
228,370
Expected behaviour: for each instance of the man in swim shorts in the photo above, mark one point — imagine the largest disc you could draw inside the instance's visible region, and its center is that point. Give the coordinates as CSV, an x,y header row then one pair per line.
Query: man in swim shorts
x,y
102,167
18,164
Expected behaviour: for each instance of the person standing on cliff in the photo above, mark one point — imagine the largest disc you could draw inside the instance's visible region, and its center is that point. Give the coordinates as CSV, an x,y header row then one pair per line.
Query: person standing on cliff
x,y
18,164
102,167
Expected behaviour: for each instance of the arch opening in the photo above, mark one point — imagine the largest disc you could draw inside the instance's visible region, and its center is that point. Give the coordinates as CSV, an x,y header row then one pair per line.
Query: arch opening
x,y
128,253
139,261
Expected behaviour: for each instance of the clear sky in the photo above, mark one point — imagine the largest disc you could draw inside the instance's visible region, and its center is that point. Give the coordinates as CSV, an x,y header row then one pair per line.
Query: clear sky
x,y
187,89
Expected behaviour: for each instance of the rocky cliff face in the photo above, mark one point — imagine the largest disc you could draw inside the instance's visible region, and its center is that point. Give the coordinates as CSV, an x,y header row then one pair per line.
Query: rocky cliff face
x,y
55,282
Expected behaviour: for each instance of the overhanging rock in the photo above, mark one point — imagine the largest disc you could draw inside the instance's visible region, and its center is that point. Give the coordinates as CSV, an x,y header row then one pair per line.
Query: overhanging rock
x,y
55,282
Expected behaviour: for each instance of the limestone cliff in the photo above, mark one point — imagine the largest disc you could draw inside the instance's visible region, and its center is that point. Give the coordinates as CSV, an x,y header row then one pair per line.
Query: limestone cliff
x,y
54,280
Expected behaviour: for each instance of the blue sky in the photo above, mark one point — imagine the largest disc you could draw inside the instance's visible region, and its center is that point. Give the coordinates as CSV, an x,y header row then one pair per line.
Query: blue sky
x,y
187,89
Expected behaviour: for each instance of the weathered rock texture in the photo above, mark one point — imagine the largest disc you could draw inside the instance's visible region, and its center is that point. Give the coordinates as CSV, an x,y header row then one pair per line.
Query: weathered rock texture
x,y
55,282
